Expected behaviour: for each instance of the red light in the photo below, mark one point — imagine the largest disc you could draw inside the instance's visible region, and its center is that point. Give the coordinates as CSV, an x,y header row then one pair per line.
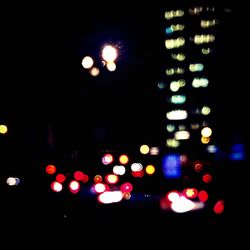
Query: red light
x,y
50,169
60,178
203,195
126,187
207,178
139,174
219,207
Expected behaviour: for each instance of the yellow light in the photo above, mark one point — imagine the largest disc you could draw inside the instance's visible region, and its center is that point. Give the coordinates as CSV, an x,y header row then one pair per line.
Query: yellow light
x,y
150,169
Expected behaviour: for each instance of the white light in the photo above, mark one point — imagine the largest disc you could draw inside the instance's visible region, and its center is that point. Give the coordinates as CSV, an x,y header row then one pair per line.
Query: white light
x,y
109,53
87,62
108,197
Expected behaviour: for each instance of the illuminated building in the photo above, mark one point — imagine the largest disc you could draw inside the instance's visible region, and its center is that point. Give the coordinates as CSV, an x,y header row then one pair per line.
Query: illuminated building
x,y
191,37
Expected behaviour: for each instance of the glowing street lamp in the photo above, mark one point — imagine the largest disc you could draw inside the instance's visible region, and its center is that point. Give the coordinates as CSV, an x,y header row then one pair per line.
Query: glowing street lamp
x,y
109,53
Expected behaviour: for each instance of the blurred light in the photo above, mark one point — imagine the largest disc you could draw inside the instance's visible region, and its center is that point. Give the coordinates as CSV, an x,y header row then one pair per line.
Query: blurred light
x,y
194,67
174,43
150,169
205,110
173,143
87,62
181,135
198,167
74,186
200,82
136,166
97,178
169,30
126,195
119,170
154,151
206,132
50,169
109,53
144,149
108,197
219,207
111,178
123,159
205,140
204,38
177,115
203,195
182,205
212,148
126,187
138,174
178,57
78,175
173,196
173,13
190,192
237,152
56,186
99,187
178,99
3,129
171,166
111,66
13,181
94,71
207,178
170,128
107,159
161,85
60,178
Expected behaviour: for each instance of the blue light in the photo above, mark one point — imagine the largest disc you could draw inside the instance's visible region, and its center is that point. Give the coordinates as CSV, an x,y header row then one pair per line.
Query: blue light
x,y
169,30
237,152
171,166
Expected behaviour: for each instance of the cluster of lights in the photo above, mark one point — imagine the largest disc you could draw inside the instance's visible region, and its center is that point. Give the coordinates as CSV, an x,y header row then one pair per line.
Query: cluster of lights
x,y
109,54
112,183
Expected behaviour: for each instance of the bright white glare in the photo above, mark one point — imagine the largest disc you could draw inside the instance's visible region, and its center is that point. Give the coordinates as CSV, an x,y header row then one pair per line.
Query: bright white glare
x,y
136,167
56,186
87,62
13,181
109,53
206,132
173,196
177,115
182,205
108,197
99,187
119,170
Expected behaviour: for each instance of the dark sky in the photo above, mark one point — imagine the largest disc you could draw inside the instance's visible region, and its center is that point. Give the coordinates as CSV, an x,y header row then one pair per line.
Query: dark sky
x,y
44,84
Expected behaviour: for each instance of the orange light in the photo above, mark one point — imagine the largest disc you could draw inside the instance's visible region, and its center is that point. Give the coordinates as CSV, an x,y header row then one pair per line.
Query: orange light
x,y
50,169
